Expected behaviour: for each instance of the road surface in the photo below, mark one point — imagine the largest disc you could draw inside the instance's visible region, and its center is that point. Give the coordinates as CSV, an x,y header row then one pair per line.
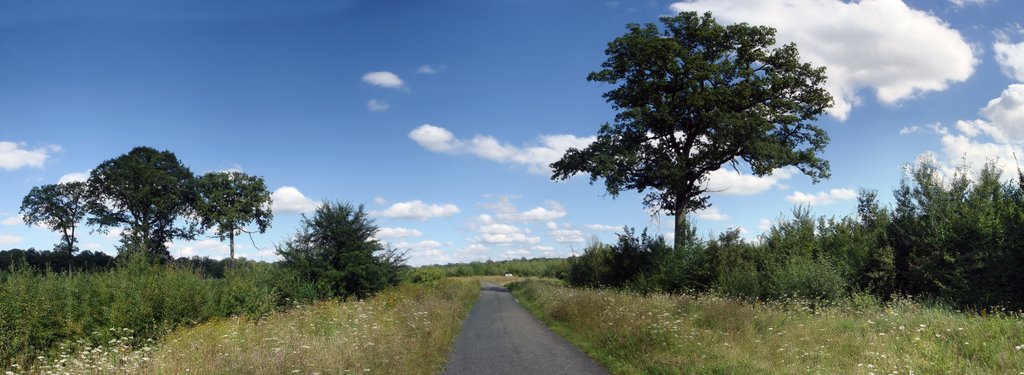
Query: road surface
x,y
500,337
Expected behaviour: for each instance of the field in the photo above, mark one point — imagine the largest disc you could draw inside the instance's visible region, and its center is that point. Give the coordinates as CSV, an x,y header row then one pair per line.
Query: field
x,y
661,333
407,329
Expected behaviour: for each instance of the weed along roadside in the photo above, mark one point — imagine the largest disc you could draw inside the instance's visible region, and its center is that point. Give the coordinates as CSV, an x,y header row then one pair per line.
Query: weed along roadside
x,y
407,329
632,333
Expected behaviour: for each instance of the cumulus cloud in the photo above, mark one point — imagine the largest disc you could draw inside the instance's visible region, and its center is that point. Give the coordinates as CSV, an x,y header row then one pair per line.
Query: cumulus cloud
x,y
504,234
375,105
567,235
384,79
422,245
15,155
823,197
882,45
1006,113
398,232
288,199
765,224
552,211
536,157
74,177
418,210
729,182
711,214
10,239
1010,56
910,129
603,228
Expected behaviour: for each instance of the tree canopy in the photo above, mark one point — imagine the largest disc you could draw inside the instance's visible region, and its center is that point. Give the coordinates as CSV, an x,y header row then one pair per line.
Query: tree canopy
x,y
693,98
145,191
336,248
59,207
228,201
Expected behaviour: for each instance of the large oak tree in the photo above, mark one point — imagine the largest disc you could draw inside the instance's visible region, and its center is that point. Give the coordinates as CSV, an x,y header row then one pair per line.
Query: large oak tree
x,y
146,192
696,97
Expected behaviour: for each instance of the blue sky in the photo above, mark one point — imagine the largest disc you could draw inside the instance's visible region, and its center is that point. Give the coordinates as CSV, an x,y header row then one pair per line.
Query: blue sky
x,y
441,116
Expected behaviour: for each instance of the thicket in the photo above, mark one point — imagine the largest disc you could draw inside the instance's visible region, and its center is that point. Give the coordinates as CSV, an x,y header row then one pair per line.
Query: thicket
x,y
41,310
956,239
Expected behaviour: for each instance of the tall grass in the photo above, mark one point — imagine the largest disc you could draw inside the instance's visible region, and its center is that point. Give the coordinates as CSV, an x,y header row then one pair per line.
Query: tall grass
x,y
661,333
407,329
39,312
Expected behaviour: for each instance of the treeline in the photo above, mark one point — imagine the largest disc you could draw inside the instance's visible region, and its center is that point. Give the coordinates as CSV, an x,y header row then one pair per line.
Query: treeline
x,y
956,239
58,261
536,267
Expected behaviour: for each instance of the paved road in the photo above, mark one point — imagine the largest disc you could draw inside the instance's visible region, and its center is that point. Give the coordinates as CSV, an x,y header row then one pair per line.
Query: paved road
x,y
500,337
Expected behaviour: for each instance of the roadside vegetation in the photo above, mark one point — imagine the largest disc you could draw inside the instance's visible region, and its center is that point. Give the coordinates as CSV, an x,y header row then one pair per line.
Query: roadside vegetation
x,y
660,333
57,302
406,329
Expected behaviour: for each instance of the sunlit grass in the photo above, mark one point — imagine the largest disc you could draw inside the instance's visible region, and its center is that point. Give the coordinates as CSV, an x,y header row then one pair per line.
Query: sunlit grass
x,y
407,329
659,333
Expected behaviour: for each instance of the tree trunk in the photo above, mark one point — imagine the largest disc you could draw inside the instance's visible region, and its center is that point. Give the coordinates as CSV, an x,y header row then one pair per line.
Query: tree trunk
x,y
680,229
231,241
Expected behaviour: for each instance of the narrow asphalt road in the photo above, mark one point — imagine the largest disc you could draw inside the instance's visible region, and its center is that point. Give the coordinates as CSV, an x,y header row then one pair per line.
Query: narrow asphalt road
x,y
500,337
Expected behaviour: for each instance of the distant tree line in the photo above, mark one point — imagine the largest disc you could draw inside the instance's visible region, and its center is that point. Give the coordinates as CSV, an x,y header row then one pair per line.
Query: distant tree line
x,y
535,267
956,239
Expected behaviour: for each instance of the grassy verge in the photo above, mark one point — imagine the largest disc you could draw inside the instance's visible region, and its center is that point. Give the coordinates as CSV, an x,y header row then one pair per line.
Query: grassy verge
x,y
408,329
630,333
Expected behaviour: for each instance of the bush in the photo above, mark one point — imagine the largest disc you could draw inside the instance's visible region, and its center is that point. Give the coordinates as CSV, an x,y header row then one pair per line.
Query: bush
x,y
336,250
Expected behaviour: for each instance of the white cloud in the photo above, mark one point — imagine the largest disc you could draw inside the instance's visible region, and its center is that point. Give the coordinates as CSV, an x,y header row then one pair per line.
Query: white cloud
x,y
603,228
427,69
288,199
74,177
551,225
910,129
823,197
711,214
1006,113
380,201
13,220
504,234
1010,56
418,210
883,45
552,211
500,238
398,232
536,157
567,235
963,3
499,229
422,245
384,79
375,105
14,155
10,239
729,182
765,224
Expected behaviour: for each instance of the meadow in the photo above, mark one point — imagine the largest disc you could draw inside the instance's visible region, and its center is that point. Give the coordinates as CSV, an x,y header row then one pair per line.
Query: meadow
x,y
661,333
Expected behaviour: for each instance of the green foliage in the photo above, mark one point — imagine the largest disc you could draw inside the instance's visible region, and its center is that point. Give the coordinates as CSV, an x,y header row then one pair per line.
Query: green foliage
x,y
336,250
228,201
694,97
41,310
537,267
145,191
54,261
59,207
